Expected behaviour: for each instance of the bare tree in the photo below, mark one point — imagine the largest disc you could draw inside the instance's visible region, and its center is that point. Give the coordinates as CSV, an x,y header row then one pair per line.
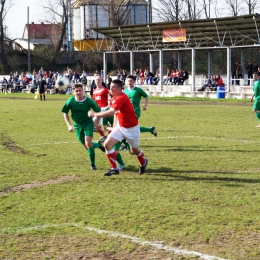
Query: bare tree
x,y
206,5
251,5
58,13
168,10
3,11
234,6
174,10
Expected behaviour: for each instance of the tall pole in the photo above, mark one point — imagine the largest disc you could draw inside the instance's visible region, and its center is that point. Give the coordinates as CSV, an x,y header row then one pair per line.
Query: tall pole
x,y
150,19
29,51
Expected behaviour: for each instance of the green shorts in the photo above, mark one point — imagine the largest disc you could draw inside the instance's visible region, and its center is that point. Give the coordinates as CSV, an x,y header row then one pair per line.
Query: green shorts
x,y
108,119
82,130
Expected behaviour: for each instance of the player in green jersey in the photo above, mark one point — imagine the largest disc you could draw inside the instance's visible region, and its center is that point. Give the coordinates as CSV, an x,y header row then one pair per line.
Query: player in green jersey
x,y
135,94
256,95
79,105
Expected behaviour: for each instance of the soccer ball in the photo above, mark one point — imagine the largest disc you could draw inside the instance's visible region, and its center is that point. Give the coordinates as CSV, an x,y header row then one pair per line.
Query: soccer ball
x,y
62,83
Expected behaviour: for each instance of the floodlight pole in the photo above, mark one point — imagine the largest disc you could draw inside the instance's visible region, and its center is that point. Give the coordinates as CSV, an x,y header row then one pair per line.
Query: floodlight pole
x,y
29,50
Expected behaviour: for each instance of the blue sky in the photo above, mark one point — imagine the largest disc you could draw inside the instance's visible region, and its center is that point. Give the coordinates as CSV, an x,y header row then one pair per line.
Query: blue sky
x,y
16,17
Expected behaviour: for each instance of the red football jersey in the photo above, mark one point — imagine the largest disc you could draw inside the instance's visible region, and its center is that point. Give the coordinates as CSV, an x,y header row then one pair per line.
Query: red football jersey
x,y
124,111
101,96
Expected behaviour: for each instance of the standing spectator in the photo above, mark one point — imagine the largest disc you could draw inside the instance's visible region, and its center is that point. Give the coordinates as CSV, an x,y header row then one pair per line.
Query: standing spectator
x,y
4,84
42,87
109,80
233,71
258,72
249,69
41,71
239,73
255,70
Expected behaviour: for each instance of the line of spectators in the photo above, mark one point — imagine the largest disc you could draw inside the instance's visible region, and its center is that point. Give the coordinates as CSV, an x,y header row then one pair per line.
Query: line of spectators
x,y
17,82
212,83
175,77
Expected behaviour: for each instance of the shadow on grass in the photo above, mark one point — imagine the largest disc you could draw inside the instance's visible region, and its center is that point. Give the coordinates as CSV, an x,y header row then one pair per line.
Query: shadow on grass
x,y
179,175
197,149
183,177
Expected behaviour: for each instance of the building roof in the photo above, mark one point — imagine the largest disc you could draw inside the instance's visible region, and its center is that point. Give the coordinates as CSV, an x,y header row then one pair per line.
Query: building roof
x,y
218,32
79,3
41,31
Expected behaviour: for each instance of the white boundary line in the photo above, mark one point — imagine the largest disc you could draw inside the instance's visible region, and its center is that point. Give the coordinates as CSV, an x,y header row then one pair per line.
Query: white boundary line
x,y
136,240
158,138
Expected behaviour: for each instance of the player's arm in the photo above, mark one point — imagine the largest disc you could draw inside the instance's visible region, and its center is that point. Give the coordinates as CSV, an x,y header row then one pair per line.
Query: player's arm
x,y
115,120
67,121
145,103
107,113
252,98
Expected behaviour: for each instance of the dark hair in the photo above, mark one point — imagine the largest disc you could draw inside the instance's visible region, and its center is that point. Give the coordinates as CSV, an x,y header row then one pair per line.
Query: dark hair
x,y
131,77
77,85
118,82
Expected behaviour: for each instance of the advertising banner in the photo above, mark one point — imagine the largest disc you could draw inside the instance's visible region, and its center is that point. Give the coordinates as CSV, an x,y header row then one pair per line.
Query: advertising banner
x,y
174,35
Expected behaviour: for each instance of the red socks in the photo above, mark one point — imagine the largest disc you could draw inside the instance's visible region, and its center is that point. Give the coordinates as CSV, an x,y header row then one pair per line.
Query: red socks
x,y
141,158
111,156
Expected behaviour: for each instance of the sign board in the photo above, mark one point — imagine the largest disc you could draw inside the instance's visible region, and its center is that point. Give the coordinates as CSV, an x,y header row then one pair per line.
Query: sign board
x,y
174,35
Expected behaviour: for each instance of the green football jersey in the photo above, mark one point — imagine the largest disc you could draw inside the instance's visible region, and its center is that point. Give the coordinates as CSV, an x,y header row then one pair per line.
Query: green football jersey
x,y
135,96
256,105
79,109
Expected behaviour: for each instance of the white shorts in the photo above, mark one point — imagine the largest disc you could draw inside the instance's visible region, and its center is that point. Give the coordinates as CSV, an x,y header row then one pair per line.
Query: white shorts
x,y
132,135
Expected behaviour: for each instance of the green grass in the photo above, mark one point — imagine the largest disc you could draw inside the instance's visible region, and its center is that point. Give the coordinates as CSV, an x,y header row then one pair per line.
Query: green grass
x,y
200,192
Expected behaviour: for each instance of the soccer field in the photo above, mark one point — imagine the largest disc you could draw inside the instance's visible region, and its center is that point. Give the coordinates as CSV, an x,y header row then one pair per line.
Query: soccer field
x,y
199,198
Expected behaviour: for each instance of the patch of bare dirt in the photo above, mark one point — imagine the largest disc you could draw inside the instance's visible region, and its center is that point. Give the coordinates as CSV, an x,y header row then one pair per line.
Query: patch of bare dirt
x,y
88,248
38,184
10,145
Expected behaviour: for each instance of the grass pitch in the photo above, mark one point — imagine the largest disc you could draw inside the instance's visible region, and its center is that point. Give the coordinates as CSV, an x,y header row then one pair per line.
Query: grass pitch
x,y
200,192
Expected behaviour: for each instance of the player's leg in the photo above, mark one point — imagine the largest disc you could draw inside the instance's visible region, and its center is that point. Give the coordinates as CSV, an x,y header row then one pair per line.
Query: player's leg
x,y
114,137
121,164
151,130
101,131
132,136
85,136
258,116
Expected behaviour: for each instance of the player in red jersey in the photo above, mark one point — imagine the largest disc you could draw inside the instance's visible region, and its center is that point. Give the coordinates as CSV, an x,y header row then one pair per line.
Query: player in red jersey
x,y
125,127
100,95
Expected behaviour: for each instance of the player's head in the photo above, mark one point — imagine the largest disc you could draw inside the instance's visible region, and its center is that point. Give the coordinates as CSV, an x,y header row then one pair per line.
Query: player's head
x,y
78,89
130,80
116,87
98,80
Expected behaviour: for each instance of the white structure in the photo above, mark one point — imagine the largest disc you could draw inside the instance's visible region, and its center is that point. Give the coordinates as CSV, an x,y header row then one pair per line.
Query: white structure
x,y
90,14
